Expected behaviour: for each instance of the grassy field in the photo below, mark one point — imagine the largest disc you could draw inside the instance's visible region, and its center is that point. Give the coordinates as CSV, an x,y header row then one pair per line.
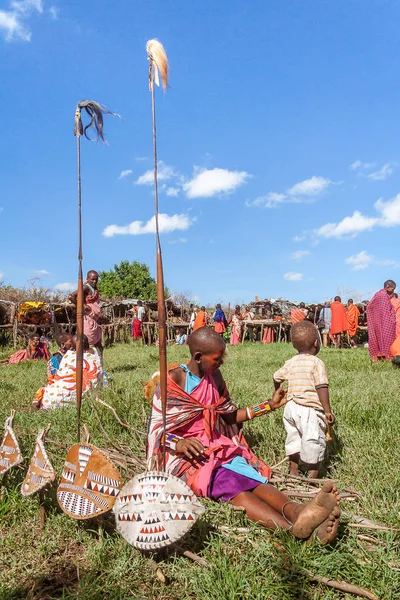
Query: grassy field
x,y
74,560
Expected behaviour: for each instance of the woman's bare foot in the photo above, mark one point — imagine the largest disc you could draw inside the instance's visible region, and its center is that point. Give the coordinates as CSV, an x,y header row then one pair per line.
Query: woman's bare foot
x,y
319,511
327,531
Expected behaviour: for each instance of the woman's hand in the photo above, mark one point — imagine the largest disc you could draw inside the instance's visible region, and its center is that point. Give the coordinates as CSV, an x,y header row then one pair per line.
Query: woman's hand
x,y
279,398
190,447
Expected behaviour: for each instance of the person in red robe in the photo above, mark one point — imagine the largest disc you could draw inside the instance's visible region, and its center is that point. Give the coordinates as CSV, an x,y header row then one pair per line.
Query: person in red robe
x,y
339,322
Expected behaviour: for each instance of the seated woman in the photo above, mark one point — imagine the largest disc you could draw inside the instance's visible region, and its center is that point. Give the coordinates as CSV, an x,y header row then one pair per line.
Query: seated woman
x,y
205,446
181,338
65,343
36,350
62,391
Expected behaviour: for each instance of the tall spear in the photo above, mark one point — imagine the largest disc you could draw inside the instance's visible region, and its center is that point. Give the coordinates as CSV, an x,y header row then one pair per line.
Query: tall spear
x,y
95,112
159,63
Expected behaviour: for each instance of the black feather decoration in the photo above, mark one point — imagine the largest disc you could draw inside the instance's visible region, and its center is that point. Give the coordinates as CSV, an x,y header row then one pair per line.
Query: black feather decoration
x,y
95,112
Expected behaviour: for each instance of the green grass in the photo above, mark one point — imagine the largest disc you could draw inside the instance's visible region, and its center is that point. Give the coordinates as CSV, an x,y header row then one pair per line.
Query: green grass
x,y
74,560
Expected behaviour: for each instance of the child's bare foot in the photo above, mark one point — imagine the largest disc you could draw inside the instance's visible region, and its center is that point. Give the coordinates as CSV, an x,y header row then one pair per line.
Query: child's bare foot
x,y
327,531
319,511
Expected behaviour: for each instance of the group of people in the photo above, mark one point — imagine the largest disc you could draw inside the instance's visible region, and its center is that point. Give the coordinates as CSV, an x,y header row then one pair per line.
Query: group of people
x,y
201,318
60,389
204,442
205,446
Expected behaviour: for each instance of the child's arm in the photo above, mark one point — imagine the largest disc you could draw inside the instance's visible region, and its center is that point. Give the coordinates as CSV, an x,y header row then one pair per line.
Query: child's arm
x,y
280,376
323,395
321,385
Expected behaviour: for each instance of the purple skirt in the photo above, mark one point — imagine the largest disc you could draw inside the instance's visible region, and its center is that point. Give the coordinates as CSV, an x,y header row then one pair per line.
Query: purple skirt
x,y
226,484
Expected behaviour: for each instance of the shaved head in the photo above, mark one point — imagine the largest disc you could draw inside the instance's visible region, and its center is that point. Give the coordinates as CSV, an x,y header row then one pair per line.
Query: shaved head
x,y
206,341
390,283
304,336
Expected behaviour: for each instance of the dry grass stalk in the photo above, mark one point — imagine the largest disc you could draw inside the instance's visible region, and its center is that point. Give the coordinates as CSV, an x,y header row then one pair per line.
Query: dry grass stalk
x,y
349,588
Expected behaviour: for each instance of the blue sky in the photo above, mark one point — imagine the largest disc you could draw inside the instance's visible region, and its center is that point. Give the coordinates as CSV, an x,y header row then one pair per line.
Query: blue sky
x,y
278,141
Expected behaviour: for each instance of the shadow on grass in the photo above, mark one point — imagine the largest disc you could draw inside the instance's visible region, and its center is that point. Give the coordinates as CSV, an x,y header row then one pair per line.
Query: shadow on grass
x,y
122,368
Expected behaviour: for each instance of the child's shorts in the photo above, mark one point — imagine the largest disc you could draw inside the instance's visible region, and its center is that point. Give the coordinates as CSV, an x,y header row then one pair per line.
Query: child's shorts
x,y
305,428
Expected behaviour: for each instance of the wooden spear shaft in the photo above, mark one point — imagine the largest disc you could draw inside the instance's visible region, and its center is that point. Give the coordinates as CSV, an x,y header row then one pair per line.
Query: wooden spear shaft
x,y
79,300
162,329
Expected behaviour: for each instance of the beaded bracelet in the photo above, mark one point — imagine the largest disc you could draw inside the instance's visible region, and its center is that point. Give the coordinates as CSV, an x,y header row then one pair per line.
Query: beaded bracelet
x,y
171,441
261,409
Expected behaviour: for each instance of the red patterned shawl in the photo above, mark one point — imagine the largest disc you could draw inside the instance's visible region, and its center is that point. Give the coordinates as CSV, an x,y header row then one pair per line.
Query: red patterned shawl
x,y
381,319
187,416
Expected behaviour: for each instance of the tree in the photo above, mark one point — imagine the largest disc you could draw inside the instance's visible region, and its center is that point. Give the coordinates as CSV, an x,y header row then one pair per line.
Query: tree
x,y
129,280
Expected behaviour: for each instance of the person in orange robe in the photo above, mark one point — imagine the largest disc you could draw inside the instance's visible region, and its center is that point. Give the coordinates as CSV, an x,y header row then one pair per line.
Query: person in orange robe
x,y
352,317
395,300
339,323
201,319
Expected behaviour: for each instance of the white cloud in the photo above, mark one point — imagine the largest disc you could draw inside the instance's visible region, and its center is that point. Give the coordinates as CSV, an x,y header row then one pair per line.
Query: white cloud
x,y
382,174
310,187
363,260
358,164
181,240
54,12
65,287
166,224
390,211
172,191
299,238
360,261
299,254
125,173
12,21
1,276
42,272
269,201
164,173
388,216
304,191
348,227
210,182
293,276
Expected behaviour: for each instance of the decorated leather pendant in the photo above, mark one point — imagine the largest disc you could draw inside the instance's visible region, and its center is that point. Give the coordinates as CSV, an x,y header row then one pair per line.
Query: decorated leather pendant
x,y
90,483
40,471
10,454
155,509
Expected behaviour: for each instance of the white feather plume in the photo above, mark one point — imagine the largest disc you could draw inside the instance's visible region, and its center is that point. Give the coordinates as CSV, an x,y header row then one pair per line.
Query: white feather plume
x,y
158,63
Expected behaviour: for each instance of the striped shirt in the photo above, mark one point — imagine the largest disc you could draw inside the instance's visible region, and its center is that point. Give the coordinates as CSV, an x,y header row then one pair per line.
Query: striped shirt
x,y
304,373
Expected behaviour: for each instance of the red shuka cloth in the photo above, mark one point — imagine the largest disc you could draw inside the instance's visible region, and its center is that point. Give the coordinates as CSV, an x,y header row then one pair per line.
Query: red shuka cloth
x,y
339,322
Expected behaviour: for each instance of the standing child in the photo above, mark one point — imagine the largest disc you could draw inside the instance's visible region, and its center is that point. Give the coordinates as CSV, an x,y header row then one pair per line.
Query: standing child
x,y
308,409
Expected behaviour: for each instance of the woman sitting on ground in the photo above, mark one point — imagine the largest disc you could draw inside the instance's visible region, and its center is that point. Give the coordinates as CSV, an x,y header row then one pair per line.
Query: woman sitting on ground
x,y
62,391
36,350
64,343
205,446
